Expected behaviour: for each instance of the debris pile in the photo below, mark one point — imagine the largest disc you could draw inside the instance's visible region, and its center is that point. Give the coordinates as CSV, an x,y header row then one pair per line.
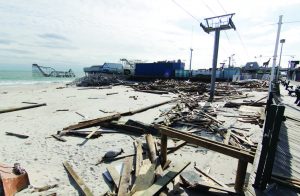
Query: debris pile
x,y
98,80
252,83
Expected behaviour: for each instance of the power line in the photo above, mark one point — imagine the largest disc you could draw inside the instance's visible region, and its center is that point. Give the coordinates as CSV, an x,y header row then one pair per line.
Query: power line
x,y
186,11
221,6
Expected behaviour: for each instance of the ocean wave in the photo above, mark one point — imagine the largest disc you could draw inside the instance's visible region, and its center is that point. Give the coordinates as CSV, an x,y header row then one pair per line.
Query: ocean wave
x,y
32,82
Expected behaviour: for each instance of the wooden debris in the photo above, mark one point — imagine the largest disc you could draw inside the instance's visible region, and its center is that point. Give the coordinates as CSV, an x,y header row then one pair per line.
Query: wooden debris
x,y
114,175
123,127
210,177
58,137
152,149
77,179
29,102
80,114
93,122
161,183
62,110
144,180
97,133
112,93
22,108
44,188
17,135
125,177
138,157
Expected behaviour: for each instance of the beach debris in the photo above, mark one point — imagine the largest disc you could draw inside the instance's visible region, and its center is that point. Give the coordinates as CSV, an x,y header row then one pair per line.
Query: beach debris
x,y
114,93
22,136
62,110
133,97
44,188
93,122
85,134
29,102
98,80
84,188
12,179
125,177
80,115
22,108
61,87
89,136
58,137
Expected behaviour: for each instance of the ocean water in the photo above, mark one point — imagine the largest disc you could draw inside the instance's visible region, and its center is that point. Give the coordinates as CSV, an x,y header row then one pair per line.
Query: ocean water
x,y
21,77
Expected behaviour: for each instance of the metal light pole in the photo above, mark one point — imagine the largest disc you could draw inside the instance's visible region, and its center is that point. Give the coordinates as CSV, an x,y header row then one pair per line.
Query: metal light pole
x,y
229,58
191,62
282,41
216,24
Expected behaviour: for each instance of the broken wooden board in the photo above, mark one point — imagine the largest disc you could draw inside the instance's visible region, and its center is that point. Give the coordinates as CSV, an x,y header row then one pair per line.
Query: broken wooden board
x,y
22,108
17,135
93,122
151,147
77,179
58,137
210,177
138,158
114,175
161,183
144,180
125,177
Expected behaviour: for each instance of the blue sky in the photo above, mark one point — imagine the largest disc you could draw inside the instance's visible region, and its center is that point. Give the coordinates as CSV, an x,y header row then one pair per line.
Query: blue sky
x,y
80,33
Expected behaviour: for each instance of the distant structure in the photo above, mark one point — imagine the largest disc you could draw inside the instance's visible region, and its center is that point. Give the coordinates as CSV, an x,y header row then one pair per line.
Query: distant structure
x,y
110,68
51,72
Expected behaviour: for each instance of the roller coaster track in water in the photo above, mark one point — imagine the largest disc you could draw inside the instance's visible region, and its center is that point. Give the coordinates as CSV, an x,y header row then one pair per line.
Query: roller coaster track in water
x,y
50,72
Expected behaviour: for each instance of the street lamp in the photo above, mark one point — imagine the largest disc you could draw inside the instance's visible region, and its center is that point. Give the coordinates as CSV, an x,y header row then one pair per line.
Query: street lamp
x,y
282,41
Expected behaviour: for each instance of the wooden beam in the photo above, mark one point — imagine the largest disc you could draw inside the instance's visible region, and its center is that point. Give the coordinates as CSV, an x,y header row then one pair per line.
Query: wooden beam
x,y
144,180
163,151
77,179
212,118
17,135
210,177
161,183
22,108
209,144
114,175
240,176
138,158
93,122
151,146
125,177
91,134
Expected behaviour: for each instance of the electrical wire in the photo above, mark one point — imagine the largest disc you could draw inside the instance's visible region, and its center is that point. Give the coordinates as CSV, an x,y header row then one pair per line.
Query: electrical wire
x,y
186,11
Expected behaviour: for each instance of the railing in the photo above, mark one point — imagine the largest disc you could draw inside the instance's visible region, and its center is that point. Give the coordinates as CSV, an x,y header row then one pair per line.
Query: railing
x,y
274,117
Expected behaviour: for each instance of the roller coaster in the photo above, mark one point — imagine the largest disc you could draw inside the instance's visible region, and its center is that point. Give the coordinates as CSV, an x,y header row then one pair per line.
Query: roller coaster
x,y
51,72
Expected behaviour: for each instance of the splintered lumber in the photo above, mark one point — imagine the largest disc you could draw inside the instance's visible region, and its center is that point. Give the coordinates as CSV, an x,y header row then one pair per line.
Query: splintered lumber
x,y
112,93
138,158
114,175
153,91
29,102
258,100
80,133
125,177
145,179
212,118
148,127
93,122
77,179
44,188
151,146
147,108
210,177
58,137
22,108
80,114
206,143
161,183
91,134
179,144
17,135
124,128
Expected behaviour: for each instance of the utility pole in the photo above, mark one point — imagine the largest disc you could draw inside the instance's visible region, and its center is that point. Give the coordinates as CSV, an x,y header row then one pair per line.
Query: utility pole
x,y
282,41
216,24
275,54
191,61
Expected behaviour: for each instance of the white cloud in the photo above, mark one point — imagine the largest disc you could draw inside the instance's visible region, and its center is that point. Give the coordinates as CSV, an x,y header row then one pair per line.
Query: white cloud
x,y
92,32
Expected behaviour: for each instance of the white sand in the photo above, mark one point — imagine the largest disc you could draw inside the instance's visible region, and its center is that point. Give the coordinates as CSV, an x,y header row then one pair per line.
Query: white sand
x,y
42,157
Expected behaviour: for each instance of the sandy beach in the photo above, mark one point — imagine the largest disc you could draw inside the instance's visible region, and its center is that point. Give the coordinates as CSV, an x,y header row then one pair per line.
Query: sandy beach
x,y
42,156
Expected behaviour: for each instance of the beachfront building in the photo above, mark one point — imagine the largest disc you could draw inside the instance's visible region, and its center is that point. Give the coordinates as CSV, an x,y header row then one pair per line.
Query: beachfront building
x,y
112,68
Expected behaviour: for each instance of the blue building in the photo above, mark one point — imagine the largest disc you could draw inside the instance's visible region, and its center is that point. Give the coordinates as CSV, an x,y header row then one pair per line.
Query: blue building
x,y
160,69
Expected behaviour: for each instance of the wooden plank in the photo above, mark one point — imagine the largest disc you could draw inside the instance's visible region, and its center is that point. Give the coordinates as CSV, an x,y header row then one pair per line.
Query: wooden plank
x,y
138,158
210,177
17,135
163,151
91,134
161,183
227,137
114,175
77,179
125,177
59,138
212,118
216,187
206,143
93,122
151,146
22,108
240,176
144,180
